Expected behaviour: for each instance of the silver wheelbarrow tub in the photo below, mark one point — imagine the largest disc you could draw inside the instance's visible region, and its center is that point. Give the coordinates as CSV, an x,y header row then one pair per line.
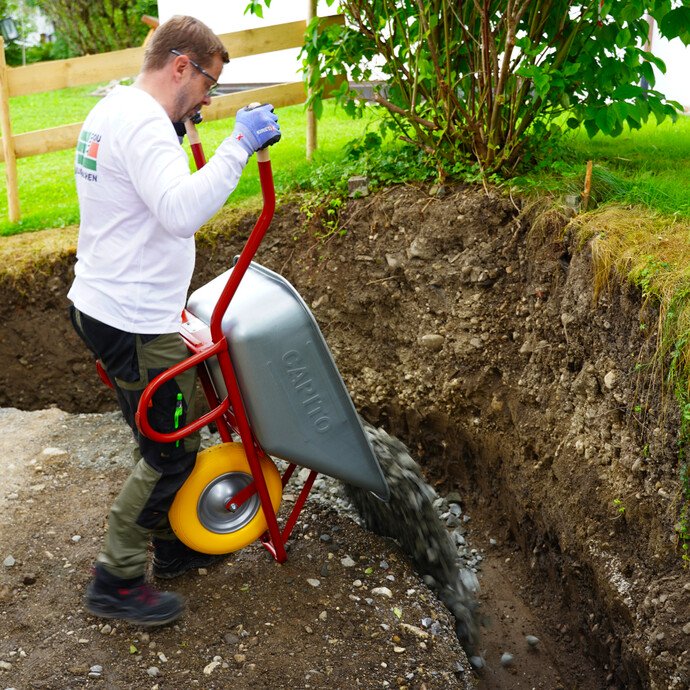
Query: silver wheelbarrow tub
x,y
297,404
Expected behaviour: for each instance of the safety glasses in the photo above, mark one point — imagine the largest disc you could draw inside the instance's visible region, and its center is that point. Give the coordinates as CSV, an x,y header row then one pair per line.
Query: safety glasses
x,y
213,90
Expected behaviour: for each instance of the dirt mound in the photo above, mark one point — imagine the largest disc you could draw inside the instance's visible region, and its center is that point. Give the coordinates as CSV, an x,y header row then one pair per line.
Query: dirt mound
x,y
476,340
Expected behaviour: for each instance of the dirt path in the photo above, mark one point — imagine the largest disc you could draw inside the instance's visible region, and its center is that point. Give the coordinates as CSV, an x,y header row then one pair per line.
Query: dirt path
x,y
313,622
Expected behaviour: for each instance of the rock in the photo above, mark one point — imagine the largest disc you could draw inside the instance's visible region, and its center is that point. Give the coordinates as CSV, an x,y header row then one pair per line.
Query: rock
x,y
432,341
313,581
414,630
399,650
686,628
358,186
477,662
532,641
347,562
76,538
95,671
438,190
394,260
5,665
419,249
382,591
210,668
154,671
54,452
9,562
610,379
506,659
106,629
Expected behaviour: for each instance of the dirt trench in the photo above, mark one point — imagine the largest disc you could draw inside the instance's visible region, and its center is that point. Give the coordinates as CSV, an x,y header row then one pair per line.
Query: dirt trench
x,y
468,328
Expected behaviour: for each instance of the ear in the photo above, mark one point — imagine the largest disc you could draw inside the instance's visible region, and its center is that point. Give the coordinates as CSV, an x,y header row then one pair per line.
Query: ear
x,y
178,66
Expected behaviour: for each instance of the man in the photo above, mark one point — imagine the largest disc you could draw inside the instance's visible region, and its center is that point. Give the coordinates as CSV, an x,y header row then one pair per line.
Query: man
x,y
140,207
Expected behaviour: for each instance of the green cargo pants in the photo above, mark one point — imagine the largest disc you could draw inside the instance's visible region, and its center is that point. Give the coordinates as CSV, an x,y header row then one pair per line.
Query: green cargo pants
x,y
141,509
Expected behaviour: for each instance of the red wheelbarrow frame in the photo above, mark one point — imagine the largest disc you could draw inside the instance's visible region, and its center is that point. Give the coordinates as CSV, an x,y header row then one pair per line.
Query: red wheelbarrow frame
x,y
229,414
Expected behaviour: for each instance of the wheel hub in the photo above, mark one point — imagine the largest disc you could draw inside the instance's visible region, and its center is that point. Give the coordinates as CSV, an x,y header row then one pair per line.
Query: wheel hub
x,y
211,509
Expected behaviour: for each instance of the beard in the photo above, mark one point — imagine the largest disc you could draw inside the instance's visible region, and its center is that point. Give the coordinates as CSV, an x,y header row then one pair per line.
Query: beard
x,y
183,108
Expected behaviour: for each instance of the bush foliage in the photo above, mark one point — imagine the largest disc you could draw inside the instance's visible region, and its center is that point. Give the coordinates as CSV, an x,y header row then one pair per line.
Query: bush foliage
x,y
487,82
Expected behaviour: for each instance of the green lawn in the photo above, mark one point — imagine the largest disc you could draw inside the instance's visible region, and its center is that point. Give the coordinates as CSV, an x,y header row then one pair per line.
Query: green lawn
x,y
648,167
47,193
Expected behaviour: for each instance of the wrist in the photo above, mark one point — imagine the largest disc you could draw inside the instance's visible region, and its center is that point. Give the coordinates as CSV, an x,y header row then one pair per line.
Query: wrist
x,y
242,137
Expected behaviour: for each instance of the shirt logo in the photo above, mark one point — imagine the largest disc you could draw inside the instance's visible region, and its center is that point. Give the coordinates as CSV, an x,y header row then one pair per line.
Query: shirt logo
x,y
87,150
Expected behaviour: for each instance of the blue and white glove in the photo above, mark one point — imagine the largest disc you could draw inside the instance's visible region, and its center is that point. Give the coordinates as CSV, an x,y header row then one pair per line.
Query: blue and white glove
x,y
256,127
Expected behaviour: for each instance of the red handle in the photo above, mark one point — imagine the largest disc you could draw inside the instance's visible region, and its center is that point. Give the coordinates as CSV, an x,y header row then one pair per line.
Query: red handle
x,y
250,248
195,144
142,418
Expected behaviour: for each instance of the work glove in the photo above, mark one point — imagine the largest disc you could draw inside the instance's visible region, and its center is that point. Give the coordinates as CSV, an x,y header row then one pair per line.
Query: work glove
x,y
256,127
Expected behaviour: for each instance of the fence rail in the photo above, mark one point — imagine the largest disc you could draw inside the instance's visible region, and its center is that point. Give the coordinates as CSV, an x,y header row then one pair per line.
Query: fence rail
x,y
93,69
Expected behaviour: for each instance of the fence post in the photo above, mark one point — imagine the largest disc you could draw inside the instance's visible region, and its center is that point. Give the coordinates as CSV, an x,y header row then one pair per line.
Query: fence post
x,y
7,141
311,117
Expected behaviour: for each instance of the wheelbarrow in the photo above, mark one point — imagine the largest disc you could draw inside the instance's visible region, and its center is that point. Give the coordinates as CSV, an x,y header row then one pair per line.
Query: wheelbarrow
x,y
271,382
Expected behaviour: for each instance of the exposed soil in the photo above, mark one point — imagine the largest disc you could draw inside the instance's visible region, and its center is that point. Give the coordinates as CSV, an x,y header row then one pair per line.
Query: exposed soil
x,y
464,327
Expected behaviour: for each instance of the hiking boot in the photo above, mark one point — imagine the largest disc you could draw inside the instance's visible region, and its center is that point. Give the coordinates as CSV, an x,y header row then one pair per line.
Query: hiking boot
x,y
133,601
172,558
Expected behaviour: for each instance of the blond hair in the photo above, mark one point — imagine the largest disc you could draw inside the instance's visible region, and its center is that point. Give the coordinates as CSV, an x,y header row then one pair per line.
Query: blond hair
x,y
187,35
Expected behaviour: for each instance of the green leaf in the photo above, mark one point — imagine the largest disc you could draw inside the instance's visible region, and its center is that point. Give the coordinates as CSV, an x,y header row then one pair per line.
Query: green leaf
x,y
397,612
675,23
573,122
605,119
591,128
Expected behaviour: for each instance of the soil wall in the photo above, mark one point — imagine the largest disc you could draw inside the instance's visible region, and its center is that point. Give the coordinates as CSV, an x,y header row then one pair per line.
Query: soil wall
x,y
470,332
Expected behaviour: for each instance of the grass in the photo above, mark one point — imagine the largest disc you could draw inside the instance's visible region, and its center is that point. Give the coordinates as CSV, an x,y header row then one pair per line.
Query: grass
x,y
649,167
47,193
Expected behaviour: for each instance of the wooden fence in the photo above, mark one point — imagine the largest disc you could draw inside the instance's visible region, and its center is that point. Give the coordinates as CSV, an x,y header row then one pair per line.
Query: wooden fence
x,y
94,69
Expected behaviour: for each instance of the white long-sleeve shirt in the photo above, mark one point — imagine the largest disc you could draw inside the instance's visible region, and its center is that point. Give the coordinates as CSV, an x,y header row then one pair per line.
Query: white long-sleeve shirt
x,y
140,207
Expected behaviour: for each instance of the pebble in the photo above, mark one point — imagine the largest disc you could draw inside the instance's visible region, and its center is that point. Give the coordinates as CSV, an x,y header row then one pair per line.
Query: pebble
x,y
398,650
532,641
347,562
432,341
106,629
382,591
506,659
210,668
5,665
686,628
314,582
154,671
9,562
477,662
76,538
96,671
53,452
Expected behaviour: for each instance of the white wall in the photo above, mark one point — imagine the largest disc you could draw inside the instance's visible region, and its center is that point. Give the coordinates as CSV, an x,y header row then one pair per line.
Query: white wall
x,y
675,84
225,16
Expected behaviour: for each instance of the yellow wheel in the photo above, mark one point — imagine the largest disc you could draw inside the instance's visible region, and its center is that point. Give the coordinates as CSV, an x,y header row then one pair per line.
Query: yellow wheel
x,y
198,514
